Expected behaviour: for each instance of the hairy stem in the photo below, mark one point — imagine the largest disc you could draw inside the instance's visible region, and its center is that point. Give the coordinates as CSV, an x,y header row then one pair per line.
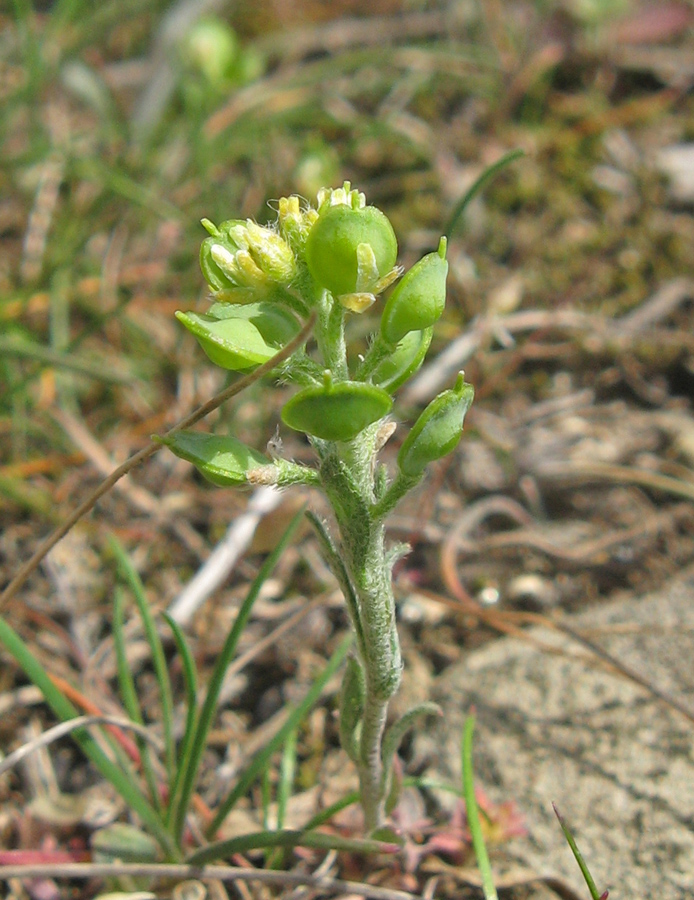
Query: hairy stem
x,y
370,762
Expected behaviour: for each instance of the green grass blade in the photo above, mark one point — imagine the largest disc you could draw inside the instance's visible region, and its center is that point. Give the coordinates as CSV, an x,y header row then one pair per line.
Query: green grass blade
x,y
128,694
261,840
473,815
23,348
62,707
266,797
126,683
158,659
262,759
287,773
578,856
190,680
325,815
477,186
209,707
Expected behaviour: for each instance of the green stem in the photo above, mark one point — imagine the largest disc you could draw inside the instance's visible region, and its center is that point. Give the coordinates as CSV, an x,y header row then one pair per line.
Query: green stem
x,y
371,764
330,336
377,352
401,485
473,816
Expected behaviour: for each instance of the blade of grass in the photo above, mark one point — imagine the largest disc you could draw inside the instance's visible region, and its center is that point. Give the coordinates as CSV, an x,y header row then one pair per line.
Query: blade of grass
x,y
262,759
578,856
185,780
158,659
477,186
128,694
287,773
62,707
473,815
326,814
27,349
265,839
266,798
190,680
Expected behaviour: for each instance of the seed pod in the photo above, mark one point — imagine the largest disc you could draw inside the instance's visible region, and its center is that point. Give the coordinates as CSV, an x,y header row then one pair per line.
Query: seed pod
x,y
404,361
336,412
222,460
438,429
333,242
419,299
239,338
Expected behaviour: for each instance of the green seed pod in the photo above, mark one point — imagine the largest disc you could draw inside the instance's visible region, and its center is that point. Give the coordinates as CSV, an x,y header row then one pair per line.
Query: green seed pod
x,y
418,300
333,242
437,431
222,460
404,361
336,412
239,338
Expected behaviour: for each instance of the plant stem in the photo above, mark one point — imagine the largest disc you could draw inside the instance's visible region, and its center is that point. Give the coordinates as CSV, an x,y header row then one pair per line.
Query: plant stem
x,y
348,480
371,784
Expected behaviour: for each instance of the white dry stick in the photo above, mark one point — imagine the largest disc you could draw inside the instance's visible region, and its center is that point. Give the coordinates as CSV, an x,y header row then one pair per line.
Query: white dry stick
x,y
225,555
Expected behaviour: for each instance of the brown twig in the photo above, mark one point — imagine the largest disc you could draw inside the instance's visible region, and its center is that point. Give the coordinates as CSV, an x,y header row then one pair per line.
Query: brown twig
x,y
64,728
32,564
220,873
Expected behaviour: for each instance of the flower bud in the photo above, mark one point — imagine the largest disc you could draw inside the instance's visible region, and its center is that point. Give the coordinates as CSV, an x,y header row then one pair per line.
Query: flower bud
x,y
438,429
241,256
349,249
418,301
336,412
295,222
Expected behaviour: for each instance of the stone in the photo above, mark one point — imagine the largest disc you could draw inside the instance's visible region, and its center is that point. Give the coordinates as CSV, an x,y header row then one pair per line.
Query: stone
x,y
564,727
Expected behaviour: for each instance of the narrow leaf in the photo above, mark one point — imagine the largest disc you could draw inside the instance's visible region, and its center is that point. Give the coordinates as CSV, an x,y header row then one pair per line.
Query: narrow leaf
x,y
128,692
158,658
352,707
578,856
210,705
477,186
65,711
190,679
262,759
265,839
473,815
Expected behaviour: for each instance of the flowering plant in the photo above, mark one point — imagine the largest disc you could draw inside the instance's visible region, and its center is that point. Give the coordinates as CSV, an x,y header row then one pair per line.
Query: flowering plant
x,y
335,259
